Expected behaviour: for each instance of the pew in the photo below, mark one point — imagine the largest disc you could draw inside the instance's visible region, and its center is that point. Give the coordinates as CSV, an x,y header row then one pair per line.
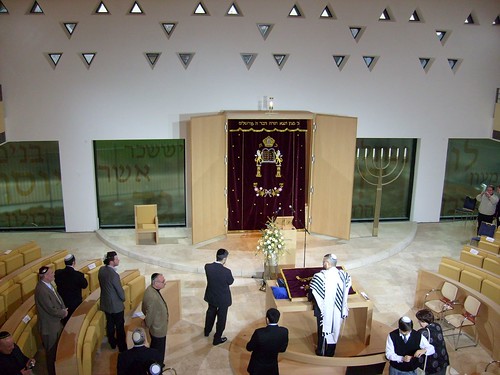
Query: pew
x,y
84,331
14,259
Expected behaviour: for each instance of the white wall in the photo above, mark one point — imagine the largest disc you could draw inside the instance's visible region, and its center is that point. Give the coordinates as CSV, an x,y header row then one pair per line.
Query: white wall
x,y
121,97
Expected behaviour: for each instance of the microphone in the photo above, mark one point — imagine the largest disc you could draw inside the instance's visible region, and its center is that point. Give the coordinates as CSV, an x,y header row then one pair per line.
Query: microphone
x,y
290,207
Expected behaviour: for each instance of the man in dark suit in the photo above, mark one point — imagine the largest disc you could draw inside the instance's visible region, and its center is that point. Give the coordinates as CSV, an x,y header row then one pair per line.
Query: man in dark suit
x,y
265,345
218,295
137,360
70,283
111,302
50,309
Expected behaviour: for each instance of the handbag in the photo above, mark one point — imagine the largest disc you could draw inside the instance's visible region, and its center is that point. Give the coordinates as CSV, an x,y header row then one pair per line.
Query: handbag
x,y
421,370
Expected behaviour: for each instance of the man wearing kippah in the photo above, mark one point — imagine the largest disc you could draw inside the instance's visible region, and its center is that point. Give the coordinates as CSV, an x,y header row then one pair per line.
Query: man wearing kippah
x,y
12,359
70,283
403,348
329,290
137,360
50,309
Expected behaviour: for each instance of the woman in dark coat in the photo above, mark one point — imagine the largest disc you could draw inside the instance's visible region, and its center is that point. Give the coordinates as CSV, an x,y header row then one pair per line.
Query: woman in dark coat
x,y
438,362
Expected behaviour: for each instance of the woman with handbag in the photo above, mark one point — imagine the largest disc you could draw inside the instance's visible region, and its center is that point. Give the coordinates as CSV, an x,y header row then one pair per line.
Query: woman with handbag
x,y
436,363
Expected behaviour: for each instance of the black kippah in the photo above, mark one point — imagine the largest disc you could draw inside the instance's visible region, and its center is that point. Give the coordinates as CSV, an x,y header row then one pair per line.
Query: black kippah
x,y
4,335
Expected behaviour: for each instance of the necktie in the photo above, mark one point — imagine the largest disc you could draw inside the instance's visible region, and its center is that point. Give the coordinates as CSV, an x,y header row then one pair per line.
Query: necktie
x,y
405,339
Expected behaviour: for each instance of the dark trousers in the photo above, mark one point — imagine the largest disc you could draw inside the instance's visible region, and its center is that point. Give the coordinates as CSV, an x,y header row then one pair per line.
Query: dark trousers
x,y
115,330
50,346
323,349
486,218
212,313
159,343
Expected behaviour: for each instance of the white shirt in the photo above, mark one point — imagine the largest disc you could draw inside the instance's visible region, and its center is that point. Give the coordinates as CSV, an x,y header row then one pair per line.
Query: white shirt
x,y
392,356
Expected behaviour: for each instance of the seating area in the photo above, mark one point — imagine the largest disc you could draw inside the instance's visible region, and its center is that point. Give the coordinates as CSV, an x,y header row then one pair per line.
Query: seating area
x,y
485,329
13,259
84,332
19,285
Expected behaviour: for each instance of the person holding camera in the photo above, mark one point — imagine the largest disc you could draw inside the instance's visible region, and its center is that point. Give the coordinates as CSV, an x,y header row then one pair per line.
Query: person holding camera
x,y
487,206
12,359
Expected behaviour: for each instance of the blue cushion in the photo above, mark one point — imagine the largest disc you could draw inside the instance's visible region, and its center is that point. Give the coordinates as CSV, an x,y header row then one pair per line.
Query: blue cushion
x,y
279,292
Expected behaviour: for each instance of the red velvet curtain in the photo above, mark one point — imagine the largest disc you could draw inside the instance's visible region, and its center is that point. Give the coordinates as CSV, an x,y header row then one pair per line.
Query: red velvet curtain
x,y
266,172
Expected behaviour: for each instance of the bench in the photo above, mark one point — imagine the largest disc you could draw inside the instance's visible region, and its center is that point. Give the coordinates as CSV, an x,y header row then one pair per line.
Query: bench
x,y
471,276
19,285
14,259
477,258
84,331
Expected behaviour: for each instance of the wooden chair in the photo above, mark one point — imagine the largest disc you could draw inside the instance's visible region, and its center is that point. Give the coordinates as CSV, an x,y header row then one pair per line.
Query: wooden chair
x,y
146,221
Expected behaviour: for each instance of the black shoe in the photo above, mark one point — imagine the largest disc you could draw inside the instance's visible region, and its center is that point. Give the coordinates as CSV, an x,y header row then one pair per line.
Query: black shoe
x,y
112,345
206,334
220,341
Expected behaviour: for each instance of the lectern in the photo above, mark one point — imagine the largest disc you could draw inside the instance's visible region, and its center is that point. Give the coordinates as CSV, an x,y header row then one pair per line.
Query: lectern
x,y
285,224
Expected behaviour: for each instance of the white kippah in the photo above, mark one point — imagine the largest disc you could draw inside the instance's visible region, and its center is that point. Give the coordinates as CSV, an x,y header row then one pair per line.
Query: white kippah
x,y
68,257
138,337
333,256
406,319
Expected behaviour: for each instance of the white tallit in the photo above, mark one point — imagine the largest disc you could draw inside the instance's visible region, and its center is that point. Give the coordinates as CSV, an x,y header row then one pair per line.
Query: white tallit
x,y
330,289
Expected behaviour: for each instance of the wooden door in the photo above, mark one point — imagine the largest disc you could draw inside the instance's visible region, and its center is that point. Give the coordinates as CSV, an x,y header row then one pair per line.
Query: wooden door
x,y
207,143
332,175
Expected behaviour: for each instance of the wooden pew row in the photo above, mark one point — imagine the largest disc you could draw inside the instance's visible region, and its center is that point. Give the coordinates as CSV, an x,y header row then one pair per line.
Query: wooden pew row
x,y
23,323
11,260
19,285
488,329
83,333
490,244
476,258
482,281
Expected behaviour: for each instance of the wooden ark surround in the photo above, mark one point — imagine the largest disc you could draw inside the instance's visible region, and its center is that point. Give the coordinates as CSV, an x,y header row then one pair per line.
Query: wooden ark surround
x,y
330,160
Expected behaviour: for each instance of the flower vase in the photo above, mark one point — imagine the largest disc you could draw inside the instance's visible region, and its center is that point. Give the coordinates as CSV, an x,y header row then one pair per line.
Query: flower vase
x,y
271,267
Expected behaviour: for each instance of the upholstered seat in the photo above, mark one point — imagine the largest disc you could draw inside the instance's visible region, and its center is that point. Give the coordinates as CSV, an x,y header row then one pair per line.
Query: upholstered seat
x,y
146,221
466,319
446,301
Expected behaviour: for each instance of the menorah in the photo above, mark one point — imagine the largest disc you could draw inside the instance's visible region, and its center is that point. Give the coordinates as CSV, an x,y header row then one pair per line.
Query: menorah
x,y
380,169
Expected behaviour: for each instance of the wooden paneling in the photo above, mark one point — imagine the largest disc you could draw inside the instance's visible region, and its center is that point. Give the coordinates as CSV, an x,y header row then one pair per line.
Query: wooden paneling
x,y
207,145
332,175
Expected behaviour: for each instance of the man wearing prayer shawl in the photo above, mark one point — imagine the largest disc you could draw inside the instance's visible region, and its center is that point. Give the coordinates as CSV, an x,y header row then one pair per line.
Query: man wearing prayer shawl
x,y
329,289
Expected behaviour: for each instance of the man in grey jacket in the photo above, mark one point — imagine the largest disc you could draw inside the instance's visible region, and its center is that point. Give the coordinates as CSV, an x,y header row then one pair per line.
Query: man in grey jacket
x,y
155,310
51,309
112,298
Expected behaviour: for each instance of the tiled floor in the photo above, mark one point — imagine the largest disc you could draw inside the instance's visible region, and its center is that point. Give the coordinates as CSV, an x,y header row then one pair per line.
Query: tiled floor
x,y
384,267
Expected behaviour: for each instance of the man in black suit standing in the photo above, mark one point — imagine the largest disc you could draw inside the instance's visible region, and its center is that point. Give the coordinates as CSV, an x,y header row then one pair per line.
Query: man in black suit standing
x,y
70,283
111,302
218,295
265,345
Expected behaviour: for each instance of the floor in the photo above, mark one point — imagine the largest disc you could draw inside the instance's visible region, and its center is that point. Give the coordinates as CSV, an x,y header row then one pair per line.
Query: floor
x,y
385,267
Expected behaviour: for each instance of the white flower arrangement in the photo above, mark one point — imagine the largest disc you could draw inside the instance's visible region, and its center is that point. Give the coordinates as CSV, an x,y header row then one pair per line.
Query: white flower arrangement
x,y
272,242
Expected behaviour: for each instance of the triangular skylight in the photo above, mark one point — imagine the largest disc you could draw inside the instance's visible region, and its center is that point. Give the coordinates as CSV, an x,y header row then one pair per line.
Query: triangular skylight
x,y
496,21
264,29
454,63
443,35
136,9
233,10
3,9
356,32
340,60
326,13
414,17
425,63
101,9
55,57
169,27
280,59
370,61
186,58
385,16
152,58
469,20
248,59
88,57
295,12
70,27
36,9
200,9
